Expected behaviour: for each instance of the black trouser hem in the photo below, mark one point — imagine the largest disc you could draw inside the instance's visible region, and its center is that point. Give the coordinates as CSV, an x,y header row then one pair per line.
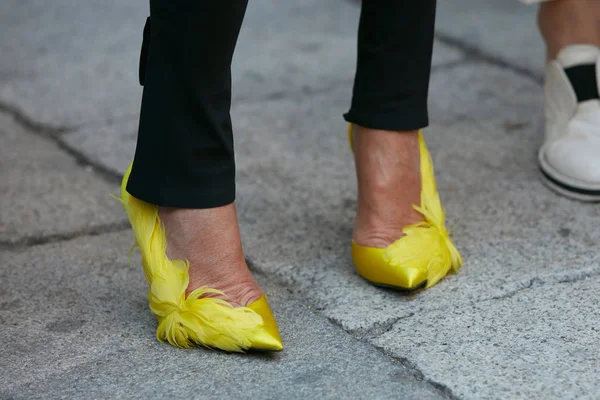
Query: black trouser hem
x,y
405,118
176,192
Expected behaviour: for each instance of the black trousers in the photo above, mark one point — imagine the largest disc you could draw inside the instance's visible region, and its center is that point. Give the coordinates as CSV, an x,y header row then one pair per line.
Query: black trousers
x,y
184,156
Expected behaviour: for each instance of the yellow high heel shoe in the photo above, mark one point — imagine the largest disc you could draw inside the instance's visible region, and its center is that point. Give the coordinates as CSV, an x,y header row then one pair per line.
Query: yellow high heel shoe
x,y
425,254
194,320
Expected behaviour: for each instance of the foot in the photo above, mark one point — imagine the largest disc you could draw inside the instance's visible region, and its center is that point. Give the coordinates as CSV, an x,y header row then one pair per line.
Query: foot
x,y
210,240
570,155
389,183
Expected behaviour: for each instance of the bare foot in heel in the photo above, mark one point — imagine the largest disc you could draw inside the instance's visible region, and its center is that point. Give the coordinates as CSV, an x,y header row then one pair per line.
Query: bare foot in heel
x,y
210,240
389,183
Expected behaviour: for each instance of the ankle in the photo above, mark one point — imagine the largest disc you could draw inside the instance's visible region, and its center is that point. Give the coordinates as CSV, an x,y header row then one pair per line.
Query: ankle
x,y
210,240
389,183
567,22
213,232
379,138
380,155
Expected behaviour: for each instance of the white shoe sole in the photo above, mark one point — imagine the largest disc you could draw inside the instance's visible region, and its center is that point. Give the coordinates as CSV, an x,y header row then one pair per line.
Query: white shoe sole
x,y
564,185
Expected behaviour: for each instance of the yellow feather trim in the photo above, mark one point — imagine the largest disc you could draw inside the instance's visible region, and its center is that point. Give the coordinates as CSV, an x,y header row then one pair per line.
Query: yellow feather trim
x,y
426,245
197,319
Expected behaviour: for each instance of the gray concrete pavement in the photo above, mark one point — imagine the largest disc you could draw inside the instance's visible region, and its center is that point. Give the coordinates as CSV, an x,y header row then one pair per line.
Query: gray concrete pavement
x,y
47,194
75,325
518,321
543,340
504,32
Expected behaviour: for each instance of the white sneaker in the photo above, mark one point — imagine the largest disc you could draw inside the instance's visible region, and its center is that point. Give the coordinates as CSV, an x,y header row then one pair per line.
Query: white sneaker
x,y
570,156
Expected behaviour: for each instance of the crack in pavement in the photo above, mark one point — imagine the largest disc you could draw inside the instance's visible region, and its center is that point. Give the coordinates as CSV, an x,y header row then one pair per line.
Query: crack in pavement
x,y
31,241
536,282
368,335
418,373
381,329
54,133
311,90
474,53
442,389
22,119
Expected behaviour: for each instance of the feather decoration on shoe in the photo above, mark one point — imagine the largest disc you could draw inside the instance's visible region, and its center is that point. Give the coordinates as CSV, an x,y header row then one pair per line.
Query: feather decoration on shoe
x,y
184,321
426,245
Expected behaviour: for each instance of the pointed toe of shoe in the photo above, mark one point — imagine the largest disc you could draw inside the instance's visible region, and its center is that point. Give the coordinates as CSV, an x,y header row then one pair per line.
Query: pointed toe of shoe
x,y
373,266
268,338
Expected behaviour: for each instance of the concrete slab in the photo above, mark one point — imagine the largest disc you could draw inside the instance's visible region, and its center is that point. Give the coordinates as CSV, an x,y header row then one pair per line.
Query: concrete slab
x,y
44,192
75,324
63,64
540,343
505,30
110,144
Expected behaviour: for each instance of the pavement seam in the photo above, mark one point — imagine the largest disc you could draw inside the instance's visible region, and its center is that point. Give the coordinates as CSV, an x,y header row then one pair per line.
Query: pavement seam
x,y
367,336
442,389
53,133
309,90
22,119
31,241
473,53
382,328
514,292
537,282
410,366
419,375
439,388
